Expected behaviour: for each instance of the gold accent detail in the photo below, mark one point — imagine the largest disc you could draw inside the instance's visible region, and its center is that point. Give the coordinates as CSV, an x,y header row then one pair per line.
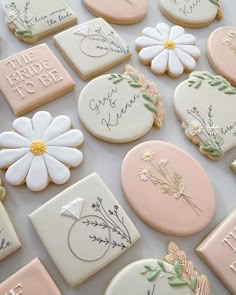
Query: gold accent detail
x,y
169,44
38,147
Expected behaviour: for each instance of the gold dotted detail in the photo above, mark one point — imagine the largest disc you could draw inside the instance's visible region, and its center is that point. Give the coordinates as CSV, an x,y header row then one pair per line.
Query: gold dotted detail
x,y
169,44
38,147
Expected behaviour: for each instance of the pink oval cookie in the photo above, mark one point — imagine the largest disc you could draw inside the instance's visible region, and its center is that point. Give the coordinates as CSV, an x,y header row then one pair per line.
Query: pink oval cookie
x,y
122,12
168,188
221,52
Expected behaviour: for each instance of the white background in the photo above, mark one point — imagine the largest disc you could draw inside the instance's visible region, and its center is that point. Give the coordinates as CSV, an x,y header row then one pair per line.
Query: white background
x,y
106,160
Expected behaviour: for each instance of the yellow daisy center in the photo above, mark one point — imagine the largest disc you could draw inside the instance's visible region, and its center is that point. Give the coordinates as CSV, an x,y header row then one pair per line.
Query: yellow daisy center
x,y
147,155
169,44
38,147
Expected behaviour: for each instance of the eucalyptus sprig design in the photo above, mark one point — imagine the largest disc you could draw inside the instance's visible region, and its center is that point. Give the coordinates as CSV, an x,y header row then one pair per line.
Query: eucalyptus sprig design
x,y
23,20
222,84
170,183
113,221
174,275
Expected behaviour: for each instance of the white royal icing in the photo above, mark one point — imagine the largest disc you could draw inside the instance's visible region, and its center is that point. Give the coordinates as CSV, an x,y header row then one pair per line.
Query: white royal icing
x,y
175,60
52,164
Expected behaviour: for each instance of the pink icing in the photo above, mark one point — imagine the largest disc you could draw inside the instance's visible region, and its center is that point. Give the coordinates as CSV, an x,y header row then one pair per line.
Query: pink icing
x,y
222,52
31,279
32,77
118,10
218,250
161,211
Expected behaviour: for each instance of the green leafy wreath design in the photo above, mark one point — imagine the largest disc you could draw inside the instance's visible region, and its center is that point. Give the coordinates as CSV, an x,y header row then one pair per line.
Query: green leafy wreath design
x,y
214,81
133,81
175,276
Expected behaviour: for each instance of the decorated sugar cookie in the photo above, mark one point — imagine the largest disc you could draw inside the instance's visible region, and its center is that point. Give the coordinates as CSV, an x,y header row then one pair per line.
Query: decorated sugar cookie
x,y
31,279
168,50
173,275
9,241
94,229
44,146
32,78
32,20
120,107
122,12
201,103
221,243
192,13
167,188
95,43
221,52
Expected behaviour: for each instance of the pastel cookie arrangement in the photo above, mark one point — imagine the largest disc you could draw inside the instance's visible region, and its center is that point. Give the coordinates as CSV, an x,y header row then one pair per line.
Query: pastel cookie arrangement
x,y
82,226
119,108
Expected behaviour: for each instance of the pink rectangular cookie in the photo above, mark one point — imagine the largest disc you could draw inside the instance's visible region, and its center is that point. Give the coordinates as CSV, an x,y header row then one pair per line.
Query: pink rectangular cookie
x,y
32,78
33,279
218,250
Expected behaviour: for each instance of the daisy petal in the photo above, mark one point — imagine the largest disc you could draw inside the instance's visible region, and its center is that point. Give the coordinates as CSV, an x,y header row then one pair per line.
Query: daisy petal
x,y
159,63
164,30
58,172
41,121
145,42
152,33
71,138
175,67
192,50
13,140
69,156
176,32
24,127
8,157
147,54
58,126
186,39
186,59
37,177
17,172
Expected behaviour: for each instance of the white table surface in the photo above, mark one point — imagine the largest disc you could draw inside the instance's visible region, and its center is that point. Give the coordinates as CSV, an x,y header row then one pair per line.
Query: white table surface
x,y
106,160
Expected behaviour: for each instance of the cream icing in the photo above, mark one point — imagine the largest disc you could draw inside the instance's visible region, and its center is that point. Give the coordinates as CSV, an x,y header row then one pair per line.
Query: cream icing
x,y
42,146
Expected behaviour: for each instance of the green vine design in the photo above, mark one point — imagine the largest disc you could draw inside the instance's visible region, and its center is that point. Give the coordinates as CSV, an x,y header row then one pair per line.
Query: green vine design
x,y
175,276
214,81
133,81
216,2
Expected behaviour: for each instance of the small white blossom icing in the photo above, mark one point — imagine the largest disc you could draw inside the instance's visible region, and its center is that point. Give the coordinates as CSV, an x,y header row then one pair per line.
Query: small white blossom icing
x,y
195,128
40,150
168,49
146,155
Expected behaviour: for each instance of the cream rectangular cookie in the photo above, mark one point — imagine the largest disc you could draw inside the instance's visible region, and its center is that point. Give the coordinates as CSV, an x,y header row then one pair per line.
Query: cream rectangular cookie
x,y
31,20
92,48
83,229
33,77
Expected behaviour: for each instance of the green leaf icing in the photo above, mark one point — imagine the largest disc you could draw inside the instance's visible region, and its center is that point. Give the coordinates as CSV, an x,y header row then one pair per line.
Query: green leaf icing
x,y
214,2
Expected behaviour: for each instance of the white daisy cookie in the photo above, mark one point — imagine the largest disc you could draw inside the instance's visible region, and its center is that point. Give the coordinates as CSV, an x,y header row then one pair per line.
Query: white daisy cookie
x,y
168,50
40,150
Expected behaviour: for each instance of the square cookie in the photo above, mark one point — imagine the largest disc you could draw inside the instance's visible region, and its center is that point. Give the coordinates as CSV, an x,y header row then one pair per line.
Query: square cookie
x,y
9,241
92,48
32,279
32,20
83,229
32,78
218,250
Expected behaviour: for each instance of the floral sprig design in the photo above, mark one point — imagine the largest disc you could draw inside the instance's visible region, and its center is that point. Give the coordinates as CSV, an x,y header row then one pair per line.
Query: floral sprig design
x,y
222,84
231,42
113,221
208,129
170,184
149,91
23,20
174,275
131,3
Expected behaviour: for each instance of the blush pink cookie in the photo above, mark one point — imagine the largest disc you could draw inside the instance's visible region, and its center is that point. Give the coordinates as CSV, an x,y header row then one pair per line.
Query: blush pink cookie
x,y
31,279
221,244
122,12
32,78
221,52
168,188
